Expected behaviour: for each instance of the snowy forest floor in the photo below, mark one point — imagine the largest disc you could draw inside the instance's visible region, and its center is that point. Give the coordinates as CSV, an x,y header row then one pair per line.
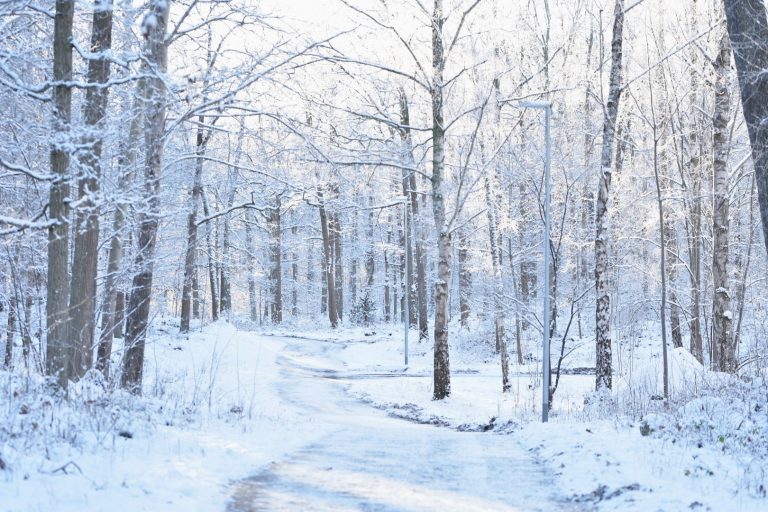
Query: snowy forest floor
x,y
298,419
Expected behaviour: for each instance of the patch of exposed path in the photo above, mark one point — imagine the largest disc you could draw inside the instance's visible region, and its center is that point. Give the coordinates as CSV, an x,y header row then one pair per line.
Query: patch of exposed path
x,y
372,462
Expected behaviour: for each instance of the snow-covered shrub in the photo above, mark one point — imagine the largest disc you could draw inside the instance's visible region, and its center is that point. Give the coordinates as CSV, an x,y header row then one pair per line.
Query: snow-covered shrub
x,y
363,310
729,414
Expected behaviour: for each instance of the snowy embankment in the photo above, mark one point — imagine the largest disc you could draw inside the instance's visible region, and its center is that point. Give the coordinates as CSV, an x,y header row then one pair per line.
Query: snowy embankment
x,y
632,454
209,415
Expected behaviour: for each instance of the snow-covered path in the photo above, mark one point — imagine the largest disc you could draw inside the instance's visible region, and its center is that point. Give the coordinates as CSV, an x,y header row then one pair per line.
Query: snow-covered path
x,y
371,461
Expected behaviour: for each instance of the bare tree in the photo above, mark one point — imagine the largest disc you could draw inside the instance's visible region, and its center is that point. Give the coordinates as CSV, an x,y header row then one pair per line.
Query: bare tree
x,y
57,315
724,350
85,259
154,106
603,367
748,30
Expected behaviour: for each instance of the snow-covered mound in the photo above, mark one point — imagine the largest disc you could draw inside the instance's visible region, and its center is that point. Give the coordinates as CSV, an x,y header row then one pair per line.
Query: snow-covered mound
x,y
644,381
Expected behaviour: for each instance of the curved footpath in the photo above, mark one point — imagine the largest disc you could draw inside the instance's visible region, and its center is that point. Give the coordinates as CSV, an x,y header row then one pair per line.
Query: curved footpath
x,y
371,461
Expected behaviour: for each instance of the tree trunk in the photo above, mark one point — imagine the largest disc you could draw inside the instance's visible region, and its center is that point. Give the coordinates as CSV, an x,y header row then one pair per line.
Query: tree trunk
x,y
212,281
528,270
694,254
250,267
353,263
328,266
338,272
722,316
154,102
442,370
674,303
387,310
112,315
663,262
421,271
748,29
120,314
295,275
226,263
10,333
370,256
26,328
498,286
190,256
694,224
276,253
603,365
465,279
82,299
57,315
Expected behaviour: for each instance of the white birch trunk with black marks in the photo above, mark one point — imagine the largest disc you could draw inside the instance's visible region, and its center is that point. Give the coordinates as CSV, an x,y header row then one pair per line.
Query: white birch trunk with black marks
x,y
724,350
603,364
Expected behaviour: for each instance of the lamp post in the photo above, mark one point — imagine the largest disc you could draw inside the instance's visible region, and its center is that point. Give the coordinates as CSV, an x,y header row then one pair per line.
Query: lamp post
x,y
406,281
546,106
407,276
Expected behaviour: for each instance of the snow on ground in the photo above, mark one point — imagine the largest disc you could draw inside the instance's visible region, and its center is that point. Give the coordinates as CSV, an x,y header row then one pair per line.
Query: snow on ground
x,y
212,415
701,455
209,415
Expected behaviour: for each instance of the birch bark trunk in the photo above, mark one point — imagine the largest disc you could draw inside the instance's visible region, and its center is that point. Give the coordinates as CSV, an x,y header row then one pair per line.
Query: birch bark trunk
x,y
442,370
724,349
603,365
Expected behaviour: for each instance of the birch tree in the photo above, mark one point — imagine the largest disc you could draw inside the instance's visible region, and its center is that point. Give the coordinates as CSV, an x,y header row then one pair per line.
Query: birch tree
x,y
603,367
724,351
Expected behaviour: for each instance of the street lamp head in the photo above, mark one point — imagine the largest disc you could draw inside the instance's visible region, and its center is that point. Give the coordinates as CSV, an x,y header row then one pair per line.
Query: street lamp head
x,y
536,104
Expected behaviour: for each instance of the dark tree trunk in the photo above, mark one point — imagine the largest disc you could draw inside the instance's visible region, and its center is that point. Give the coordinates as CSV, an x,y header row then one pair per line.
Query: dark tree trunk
x,y
10,333
82,299
338,272
112,315
387,298
295,276
212,281
190,256
465,279
57,303
154,126
276,257
748,31
328,267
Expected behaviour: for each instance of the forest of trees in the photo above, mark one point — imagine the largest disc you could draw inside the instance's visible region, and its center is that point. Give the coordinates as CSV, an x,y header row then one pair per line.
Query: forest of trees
x,y
200,160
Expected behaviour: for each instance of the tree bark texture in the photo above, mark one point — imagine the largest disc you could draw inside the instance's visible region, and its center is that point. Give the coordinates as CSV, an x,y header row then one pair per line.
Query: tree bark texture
x,y
85,260
156,53
748,30
190,256
603,365
328,266
57,302
442,370
724,353
276,252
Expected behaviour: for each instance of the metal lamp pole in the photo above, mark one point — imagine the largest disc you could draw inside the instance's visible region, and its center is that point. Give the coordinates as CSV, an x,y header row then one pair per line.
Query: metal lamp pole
x,y
546,106
406,281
